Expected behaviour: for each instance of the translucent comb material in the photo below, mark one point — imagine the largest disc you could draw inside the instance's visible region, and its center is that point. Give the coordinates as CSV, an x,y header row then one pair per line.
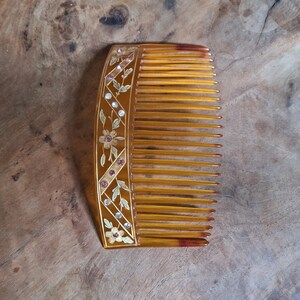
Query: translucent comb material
x,y
156,146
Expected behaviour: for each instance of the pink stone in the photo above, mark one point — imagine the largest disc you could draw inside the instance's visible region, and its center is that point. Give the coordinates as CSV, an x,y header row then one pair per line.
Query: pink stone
x,y
108,138
120,162
104,184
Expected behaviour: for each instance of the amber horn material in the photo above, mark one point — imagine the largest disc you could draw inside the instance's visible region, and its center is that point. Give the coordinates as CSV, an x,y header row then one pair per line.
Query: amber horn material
x,y
157,146
160,242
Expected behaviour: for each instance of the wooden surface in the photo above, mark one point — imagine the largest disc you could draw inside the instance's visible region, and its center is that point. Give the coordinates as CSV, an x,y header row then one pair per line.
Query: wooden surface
x,y
51,53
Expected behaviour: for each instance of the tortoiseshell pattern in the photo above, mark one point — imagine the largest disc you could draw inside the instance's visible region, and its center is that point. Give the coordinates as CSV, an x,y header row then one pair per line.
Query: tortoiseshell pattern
x,y
156,111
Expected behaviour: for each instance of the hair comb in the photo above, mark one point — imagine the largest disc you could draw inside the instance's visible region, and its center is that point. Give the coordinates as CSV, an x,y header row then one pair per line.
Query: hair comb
x,y
156,146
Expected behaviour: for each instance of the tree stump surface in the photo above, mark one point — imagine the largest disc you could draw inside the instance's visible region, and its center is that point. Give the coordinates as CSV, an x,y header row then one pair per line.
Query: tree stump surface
x,y
51,55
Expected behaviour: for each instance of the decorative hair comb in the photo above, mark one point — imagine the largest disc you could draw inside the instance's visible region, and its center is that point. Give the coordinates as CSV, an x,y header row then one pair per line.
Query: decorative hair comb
x,y
155,150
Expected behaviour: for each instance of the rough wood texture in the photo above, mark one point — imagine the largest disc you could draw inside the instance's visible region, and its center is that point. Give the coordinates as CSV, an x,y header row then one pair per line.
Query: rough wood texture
x,y
51,54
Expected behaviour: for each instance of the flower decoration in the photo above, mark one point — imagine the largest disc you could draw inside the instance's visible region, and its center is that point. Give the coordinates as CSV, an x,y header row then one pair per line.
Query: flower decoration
x,y
114,235
108,138
115,192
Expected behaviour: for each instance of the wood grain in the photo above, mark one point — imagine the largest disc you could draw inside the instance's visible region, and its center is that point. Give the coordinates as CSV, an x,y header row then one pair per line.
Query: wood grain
x,y
51,54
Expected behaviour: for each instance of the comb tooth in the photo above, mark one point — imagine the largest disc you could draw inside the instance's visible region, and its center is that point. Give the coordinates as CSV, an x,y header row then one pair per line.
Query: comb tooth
x,y
172,162
171,234
176,49
177,74
184,47
172,191
155,133
173,172
147,81
173,51
174,98
173,181
138,151
177,226
166,106
167,115
176,67
176,90
177,56
160,242
176,46
166,124
168,217
141,142
155,59
171,67
170,49
150,199
142,208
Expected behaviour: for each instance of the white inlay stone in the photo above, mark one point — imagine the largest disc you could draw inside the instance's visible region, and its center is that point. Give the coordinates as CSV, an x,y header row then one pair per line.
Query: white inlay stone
x,y
115,104
108,96
127,225
118,215
106,202
121,113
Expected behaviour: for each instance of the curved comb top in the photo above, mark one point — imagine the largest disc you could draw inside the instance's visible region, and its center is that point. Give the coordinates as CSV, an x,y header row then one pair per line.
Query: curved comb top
x,y
156,146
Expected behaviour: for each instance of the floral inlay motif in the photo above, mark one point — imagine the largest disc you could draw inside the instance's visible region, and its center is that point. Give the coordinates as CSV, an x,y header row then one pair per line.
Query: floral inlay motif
x,y
114,192
109,139
116,235
117,192
118,53
120,87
